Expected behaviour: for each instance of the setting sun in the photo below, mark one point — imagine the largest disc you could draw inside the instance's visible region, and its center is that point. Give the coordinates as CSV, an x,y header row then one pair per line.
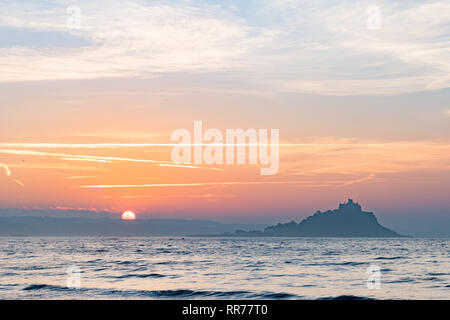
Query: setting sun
x,y
128,215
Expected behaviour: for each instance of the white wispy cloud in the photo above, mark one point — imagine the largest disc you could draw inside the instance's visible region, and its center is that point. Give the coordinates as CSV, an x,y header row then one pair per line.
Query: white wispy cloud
x,y
129,39
409,52
322,47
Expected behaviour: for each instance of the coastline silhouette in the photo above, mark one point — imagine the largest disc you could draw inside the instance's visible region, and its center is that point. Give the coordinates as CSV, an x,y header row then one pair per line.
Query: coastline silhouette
x,y
348,220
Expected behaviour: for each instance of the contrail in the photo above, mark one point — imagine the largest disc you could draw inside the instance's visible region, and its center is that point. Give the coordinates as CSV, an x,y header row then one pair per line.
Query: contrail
x,y
74,157
195,184
8,172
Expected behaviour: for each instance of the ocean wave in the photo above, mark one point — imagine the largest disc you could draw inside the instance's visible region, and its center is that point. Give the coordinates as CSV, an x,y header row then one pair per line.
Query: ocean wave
x,y
166,262
221,294
431,279
139,275
168,294
345,297
140,269
93,261
350,263
346,263
214,270
125,262
390,258
331,253
35,287
35,268
100,269
402,280
277,296
184,252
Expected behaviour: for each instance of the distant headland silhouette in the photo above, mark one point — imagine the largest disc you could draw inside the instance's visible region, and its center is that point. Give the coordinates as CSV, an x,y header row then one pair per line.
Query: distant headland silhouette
x,y
346,221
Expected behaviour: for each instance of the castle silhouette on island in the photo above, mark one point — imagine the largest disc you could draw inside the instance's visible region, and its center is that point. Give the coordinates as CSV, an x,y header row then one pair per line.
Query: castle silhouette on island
x,y
348,220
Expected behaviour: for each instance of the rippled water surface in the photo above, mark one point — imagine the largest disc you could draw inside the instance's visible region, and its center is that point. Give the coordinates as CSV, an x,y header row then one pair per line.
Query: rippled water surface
x,y
221,268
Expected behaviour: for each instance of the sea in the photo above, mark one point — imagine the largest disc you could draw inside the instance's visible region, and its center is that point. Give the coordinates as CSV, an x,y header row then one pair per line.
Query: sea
x,y
223,268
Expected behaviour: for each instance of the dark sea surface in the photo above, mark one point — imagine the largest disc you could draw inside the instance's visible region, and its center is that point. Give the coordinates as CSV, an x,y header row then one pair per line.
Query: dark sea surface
x,y
223,268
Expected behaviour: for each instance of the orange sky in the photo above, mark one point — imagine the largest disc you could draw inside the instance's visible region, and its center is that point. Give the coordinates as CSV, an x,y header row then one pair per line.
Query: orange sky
x,y
143,178
362,112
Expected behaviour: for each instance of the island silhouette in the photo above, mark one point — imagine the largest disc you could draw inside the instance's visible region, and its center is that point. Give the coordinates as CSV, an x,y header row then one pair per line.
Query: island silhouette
x,y
348,220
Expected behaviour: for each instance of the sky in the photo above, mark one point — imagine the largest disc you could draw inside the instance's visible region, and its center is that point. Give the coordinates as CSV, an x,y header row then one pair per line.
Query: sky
x,y
359,91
